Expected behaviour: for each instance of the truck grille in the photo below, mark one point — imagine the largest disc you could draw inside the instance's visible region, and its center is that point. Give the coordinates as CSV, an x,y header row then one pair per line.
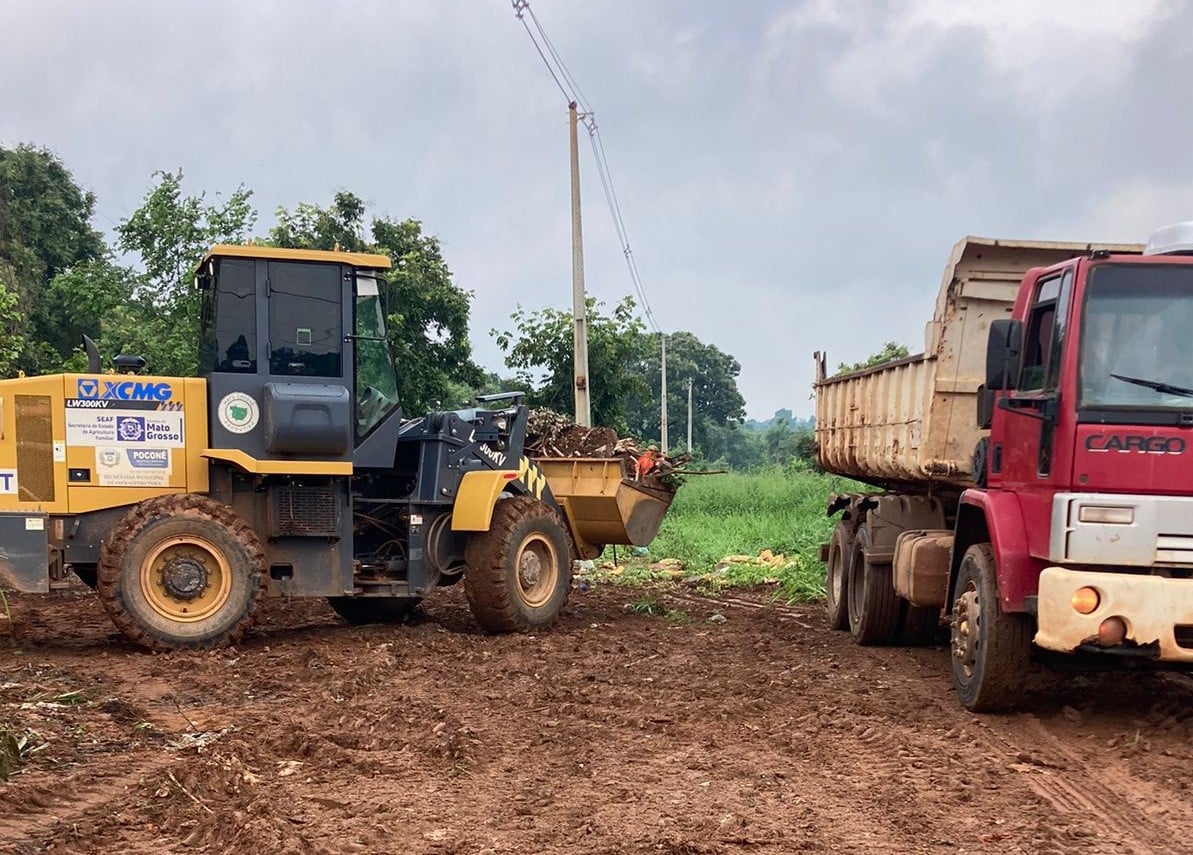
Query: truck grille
x,y
1174,549
304,512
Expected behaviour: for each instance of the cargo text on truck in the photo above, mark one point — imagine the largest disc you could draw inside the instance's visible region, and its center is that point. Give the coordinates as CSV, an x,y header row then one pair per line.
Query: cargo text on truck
x,y
1035,466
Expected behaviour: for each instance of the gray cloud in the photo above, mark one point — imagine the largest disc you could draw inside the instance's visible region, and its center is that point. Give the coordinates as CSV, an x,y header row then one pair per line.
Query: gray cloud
x,y
792,174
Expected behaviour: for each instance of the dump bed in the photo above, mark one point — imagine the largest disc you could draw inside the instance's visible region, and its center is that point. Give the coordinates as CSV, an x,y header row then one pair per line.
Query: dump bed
x,y
602,504
912,422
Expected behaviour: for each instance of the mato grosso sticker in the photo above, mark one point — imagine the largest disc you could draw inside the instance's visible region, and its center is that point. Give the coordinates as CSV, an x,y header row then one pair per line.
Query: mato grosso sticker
x,y
238,412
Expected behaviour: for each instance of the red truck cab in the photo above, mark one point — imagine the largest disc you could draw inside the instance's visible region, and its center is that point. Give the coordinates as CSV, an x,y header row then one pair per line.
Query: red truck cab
x,y
1079,534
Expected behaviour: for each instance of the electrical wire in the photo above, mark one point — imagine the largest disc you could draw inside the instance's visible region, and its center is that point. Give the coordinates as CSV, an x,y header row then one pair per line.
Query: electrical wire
x,y
572,93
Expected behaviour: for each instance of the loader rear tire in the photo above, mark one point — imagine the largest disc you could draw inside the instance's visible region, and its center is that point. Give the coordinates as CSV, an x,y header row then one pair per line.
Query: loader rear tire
x,y
358,611
181,572
836,583
874,607
519,572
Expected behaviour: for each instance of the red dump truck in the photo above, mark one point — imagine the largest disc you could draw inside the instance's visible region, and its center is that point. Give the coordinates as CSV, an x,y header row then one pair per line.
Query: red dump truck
x,y
1034,462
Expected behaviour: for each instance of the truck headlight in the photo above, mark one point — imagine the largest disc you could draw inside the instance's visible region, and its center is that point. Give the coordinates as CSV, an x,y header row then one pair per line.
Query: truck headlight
x,y
1108,514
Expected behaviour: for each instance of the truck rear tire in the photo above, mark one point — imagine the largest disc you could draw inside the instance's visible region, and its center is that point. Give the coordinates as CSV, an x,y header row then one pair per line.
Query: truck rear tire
x,y
991,649
358,611
873,604
519,572
181,572
836,583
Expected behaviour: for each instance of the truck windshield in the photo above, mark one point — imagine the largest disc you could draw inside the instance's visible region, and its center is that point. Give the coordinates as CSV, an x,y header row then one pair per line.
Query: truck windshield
x,y
376,383
1137,343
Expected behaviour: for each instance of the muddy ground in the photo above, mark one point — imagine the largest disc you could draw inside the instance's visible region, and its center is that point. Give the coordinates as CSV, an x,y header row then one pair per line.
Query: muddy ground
x,y
618,732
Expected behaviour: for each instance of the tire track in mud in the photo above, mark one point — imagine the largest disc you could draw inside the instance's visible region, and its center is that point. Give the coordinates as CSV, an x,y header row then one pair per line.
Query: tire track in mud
x,y
32,811
1086,802
1069,800
1129,814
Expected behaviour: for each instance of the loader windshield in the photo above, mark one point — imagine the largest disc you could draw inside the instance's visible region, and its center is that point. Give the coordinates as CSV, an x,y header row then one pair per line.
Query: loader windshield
x,y
1137,341
376,381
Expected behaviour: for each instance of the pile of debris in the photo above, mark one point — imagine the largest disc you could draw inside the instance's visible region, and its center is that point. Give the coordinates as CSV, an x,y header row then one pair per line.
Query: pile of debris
x,y
551,434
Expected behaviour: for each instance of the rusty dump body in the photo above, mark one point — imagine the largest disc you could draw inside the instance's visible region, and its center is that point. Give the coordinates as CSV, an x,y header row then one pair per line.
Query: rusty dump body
x,y
602,504
911,423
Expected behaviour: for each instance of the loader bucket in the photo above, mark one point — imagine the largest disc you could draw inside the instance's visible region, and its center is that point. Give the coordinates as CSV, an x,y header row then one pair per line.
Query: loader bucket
x,y
602,505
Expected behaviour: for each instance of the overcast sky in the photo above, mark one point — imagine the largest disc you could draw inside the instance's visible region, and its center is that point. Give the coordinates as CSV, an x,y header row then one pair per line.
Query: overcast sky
x,y
792,174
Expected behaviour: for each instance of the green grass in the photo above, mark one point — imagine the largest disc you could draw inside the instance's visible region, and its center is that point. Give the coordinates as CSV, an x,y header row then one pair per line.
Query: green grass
x,y
715,516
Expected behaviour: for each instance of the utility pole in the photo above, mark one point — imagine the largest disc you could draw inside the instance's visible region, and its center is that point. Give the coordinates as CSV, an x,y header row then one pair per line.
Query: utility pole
x,y
663,394
579,305
689,448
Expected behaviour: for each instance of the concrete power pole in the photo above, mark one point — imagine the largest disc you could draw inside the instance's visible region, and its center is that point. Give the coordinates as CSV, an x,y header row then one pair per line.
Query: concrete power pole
x,y
663,395
689,448
579,306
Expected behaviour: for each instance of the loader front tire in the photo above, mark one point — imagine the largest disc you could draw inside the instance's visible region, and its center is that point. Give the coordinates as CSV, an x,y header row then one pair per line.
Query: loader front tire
x,y
181,572
519,572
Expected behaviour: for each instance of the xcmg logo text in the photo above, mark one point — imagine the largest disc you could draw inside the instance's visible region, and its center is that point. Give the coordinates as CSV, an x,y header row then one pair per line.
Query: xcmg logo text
x,y
124,390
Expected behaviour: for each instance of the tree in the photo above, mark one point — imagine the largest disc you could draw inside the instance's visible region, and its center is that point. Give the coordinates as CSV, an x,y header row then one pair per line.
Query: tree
x,y
889,353
539,349
716,400
158,313
427,314
45,229
12,339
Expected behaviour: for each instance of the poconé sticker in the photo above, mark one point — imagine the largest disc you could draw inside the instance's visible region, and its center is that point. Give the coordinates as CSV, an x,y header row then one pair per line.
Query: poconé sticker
x,y
238,412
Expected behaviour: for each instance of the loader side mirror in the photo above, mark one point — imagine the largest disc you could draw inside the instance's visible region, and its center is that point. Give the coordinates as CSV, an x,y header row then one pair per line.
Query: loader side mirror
x,y
1004,352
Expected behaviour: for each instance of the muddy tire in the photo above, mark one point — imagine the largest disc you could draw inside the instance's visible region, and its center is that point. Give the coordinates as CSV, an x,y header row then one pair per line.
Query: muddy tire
x,y
181,572
358,611
991,650
519,572
836,582
920,625
874,607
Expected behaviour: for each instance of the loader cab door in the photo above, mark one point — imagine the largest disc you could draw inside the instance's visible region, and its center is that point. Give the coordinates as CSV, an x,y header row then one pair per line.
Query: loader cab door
x,y
376,382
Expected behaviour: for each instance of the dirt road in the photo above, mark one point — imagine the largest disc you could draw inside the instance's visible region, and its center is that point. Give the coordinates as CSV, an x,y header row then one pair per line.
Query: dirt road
x,y
617,732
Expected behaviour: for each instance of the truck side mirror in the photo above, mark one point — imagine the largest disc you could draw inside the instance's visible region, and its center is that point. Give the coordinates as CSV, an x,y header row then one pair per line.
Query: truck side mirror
x,y
1004,350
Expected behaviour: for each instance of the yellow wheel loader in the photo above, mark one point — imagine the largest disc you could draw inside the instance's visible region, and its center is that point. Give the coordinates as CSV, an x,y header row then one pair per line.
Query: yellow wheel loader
x,y
287,469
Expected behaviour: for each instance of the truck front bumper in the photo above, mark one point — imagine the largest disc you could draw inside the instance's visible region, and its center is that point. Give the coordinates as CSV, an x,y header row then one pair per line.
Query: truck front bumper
x,y
1151,607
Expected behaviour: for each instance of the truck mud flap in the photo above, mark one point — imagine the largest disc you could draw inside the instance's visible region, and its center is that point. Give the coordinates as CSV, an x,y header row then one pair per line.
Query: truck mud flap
x,y
24,553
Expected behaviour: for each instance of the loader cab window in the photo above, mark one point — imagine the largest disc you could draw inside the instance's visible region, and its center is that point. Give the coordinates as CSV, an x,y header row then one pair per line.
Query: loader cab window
x,y
305,330
1045,337
228,317
376,381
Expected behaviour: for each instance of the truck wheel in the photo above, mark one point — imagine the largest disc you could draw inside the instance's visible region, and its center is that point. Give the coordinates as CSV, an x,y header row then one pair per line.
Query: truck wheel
x,y
991,648
362,610
519,572
872,601
181,571
836,584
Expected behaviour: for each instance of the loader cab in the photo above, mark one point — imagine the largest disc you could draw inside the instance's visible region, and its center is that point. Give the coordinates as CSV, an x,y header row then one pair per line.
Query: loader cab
x,y
292,344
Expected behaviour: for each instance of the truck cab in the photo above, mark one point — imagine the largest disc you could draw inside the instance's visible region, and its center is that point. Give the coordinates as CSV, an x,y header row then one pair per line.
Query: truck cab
x,y
1089,460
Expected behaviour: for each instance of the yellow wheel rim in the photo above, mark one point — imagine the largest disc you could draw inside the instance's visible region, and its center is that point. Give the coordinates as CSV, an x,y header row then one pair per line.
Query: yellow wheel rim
x,y
186,579
537,569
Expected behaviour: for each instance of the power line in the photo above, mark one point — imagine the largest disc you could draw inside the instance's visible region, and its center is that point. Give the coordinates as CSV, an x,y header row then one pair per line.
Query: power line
x,y
571,92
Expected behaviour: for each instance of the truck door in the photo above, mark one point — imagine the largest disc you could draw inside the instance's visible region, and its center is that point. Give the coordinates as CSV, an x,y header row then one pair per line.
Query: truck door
x,y
1025,451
